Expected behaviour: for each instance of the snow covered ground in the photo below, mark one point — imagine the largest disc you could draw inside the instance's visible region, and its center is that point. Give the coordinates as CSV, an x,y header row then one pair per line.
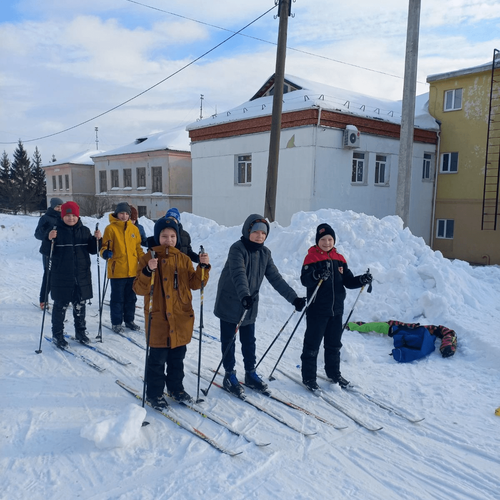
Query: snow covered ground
x,y
68,431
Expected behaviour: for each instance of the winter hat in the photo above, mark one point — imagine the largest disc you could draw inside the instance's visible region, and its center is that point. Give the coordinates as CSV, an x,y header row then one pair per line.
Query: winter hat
x,y
55,201
122,207
173,212
324,229
134,215
258,226
163,223
70,208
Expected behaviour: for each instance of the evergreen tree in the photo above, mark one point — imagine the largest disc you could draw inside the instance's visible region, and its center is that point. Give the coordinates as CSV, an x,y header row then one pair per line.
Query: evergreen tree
x,y
5,182
21,180
39,201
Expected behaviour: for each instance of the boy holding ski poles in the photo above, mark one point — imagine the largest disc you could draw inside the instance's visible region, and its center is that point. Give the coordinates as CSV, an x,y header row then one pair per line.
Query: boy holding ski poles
x,y
326,270
172,314
70,276
248,262
122,249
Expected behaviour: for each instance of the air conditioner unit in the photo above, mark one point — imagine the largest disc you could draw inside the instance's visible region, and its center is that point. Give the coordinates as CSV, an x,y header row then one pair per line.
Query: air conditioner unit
x,y
351,137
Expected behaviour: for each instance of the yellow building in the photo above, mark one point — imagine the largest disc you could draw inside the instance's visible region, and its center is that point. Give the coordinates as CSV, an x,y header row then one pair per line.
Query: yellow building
x,y
466,222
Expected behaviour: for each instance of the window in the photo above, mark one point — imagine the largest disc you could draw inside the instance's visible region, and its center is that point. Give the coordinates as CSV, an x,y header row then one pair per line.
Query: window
x,y
103,185
142,211
358,161
66,181
244,169
381,170
114,179
127,177
449,163
445,228
141,177
54,183
453,100
427,166
60,182
157,182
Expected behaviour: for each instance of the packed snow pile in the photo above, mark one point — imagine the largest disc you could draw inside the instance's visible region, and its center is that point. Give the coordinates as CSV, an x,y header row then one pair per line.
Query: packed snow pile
x,y
69,431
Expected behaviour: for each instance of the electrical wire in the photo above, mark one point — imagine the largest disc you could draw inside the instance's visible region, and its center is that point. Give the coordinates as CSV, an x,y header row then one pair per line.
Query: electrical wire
x,y
148,89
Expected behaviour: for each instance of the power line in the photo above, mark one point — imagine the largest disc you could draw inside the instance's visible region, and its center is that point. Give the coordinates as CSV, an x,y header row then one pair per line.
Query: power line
x,y
267,41
148,89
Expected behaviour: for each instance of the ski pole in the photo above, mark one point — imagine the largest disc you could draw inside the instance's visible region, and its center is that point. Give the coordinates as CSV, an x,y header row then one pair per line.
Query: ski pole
x,y
101,300
355,302
47,281
275,338
202,290
313,296
150,317
99,333
205,391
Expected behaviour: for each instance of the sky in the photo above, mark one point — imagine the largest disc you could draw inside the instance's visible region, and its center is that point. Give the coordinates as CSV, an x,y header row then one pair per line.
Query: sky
x,y
63,63
68,431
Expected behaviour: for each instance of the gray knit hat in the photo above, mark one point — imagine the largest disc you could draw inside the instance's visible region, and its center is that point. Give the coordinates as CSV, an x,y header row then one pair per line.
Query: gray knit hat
x,y
55,201
122,207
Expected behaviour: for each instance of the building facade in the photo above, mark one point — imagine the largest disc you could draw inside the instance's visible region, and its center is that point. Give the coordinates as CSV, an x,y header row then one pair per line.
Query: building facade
x,y
338,150
461,100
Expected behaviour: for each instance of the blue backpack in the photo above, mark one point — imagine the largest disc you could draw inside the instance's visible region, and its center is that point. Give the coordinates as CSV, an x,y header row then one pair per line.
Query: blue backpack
x,y
411,343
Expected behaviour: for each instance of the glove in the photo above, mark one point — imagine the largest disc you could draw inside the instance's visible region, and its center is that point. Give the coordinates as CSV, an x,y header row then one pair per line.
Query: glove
x,y
247,302
107,254
323,271
366,279
299,303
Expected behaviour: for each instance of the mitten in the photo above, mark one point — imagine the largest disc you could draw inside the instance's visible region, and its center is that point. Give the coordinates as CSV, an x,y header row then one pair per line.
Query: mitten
x,y
107,254
247,302
299,303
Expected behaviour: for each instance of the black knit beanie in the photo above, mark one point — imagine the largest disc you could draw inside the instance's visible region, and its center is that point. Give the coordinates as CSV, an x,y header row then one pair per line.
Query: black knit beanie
x,y
324,229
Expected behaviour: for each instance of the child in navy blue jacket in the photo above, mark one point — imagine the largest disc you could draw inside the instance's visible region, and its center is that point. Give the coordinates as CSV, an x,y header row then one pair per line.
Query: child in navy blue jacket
x,y
324,314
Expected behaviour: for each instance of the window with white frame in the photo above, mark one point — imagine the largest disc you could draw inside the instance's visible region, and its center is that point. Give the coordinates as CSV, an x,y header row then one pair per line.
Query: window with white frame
x,y
445,228
103,184
358,168
453,100
141,177
142,211
243,169
60,182
449,163
115,182
54,183
427,167
127,177
381,170
66,181
157,179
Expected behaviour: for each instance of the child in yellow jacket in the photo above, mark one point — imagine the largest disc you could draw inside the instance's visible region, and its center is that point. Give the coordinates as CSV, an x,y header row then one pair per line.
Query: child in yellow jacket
x,y
172,314
122,249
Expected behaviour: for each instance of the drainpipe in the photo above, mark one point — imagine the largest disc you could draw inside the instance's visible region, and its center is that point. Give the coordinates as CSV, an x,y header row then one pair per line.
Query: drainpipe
x,y
438,155
316,149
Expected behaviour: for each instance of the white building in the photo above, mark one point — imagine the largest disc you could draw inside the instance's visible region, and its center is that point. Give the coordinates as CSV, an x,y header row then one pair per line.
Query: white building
x,y
338,150
148,174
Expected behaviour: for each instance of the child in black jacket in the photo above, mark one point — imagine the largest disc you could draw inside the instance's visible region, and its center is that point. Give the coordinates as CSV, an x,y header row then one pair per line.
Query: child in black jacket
x,y
70,278
324,315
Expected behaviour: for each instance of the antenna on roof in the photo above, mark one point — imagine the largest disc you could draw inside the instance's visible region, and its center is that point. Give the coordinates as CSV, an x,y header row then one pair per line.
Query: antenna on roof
x,y
201,106
96,138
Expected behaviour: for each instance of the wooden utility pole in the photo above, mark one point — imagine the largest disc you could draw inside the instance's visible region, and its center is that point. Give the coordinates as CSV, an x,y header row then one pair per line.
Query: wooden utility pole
x,y
408,113
274,141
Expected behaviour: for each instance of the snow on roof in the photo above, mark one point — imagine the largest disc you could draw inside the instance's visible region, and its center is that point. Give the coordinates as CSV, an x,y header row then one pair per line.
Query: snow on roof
x,y
176,140
84,158
461,72
314,94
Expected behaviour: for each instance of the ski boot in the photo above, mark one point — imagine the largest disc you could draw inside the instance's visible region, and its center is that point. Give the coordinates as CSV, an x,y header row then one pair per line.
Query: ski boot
x,y
339,379
232,385
59,340
180,396
81,337
132,326
117,328
311,385
157,403
253,381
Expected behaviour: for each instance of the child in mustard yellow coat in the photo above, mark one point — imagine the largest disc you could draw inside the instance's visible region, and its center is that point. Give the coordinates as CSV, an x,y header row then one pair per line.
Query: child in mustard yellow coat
x,y
121,247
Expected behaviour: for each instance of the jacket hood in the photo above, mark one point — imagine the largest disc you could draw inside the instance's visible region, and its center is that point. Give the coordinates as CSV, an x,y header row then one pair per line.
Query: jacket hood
x,y
251,219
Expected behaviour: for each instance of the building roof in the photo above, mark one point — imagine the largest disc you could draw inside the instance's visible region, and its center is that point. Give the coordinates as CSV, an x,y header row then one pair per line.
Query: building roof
x,y
459,72
176,140
311,94
84,158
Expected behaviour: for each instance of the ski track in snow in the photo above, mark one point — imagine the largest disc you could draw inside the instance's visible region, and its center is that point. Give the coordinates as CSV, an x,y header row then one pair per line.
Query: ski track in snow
x,y
453,454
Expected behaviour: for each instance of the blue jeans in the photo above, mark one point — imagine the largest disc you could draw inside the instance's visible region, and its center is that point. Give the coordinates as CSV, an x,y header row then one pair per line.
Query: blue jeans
x,y
122,302
247,339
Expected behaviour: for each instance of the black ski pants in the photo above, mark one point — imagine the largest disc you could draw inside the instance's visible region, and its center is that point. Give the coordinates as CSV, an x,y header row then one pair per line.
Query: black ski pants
x,y
247,339
156,378
59,314
329,329
45,288
122,302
